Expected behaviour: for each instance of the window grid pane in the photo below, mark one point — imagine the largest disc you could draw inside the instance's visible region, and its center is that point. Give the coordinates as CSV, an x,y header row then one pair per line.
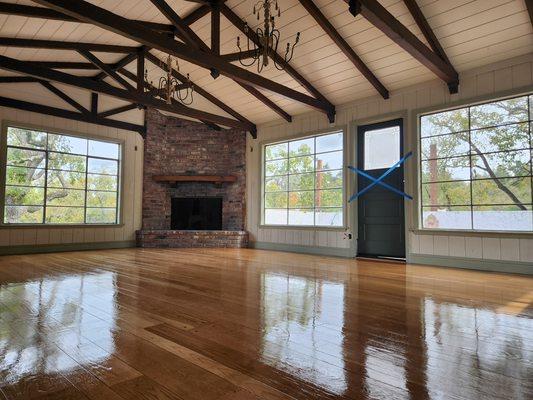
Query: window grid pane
x,y
295,172
494,191
53,170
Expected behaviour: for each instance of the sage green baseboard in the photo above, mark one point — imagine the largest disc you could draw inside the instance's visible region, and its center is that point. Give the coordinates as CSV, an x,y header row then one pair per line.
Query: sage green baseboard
x,y
54,248
291,248
514,267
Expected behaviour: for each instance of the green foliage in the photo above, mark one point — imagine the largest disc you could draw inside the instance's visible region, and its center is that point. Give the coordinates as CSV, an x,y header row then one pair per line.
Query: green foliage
x,y
300,180
66,179
489,144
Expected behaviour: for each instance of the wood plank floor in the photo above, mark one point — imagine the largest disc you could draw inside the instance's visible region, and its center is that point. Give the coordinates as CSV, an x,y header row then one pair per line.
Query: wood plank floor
x,y
257,325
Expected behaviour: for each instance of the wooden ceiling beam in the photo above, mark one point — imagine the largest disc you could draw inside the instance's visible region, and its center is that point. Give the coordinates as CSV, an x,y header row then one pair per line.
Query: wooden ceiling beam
x,y
428,33
162,94
107,20
60,45
46,13
215,27
27,68
330,30
378,16
196,14
117,110
64,97
106,69
202,92
72,115
18,79
188,35
119,64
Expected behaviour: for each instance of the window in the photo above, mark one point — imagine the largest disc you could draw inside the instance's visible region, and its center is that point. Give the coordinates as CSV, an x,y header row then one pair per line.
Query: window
x,y
59,179
475,167
303,182
382,148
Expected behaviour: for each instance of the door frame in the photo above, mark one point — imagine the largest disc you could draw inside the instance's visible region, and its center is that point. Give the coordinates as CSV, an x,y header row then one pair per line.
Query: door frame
x,y
408,144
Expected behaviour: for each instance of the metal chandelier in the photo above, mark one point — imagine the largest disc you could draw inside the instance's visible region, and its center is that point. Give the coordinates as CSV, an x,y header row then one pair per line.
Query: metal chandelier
x,y
268,38
170,88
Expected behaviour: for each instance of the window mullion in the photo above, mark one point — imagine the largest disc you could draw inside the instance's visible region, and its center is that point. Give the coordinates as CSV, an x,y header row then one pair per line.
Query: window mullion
x,y
45,201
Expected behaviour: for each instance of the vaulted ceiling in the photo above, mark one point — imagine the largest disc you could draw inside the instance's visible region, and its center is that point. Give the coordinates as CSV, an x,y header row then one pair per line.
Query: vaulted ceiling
x,y
471,33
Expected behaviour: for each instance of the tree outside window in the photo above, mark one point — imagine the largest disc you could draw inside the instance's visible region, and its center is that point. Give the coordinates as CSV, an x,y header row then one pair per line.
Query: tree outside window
x,y
476,167
60,179
303,182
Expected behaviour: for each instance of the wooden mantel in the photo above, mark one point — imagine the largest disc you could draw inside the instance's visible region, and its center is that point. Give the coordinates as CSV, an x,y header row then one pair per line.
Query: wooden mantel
x,y
218,179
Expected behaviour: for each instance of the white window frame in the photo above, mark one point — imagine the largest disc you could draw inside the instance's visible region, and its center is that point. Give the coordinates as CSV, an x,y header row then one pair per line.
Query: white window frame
x,y
3,162
262,176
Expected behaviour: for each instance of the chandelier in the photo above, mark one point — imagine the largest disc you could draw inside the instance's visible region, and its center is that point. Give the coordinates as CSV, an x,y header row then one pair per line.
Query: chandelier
x,y
268,38
170,88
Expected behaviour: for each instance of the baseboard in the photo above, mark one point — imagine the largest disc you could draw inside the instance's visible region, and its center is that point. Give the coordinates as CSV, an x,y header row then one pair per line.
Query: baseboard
x,y
514,267
55,248
315,250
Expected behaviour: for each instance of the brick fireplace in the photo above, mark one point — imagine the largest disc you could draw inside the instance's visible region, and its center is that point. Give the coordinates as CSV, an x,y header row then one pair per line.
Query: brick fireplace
x,y
177,147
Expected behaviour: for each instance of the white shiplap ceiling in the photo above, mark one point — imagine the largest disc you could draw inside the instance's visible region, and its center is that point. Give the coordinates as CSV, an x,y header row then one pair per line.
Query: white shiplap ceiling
x,y
472,32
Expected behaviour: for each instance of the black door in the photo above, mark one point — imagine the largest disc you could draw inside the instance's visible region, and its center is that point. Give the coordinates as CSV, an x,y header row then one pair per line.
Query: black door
x,y
381,211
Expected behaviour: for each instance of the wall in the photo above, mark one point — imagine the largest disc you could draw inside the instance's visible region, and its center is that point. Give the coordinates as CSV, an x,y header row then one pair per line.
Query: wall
x,y
176,147
48,238
505,251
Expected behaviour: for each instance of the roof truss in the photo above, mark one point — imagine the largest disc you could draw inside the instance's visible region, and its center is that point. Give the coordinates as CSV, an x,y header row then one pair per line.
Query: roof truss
x,y
378,15
161,36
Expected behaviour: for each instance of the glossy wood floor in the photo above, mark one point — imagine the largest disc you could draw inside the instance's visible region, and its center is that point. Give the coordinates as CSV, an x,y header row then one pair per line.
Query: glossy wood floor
x,y
250,325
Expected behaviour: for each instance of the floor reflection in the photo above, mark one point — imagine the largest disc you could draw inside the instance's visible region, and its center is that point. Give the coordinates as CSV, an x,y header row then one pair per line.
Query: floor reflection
x,y
297,313
42,320
399,338
216,324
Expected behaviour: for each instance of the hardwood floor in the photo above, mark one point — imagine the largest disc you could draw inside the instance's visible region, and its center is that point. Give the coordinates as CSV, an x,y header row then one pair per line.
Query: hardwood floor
x,y
258,325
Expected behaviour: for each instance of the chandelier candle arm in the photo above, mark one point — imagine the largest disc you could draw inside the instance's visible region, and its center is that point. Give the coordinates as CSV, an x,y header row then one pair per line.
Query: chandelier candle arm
x,y
268,38
169,88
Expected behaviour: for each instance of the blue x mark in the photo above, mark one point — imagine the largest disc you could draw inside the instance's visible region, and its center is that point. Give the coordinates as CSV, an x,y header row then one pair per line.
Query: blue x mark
x,y
379,181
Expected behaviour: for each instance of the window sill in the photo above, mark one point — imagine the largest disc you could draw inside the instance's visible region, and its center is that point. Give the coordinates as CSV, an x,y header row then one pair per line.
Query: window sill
x,y
471,233
305,227
61,226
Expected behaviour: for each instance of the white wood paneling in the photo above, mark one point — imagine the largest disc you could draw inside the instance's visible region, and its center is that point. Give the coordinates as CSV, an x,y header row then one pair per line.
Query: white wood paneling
x,y
486,80
132,194
472,32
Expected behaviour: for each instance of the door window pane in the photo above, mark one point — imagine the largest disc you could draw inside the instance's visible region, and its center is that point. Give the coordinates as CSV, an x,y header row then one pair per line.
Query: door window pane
x,y
382,148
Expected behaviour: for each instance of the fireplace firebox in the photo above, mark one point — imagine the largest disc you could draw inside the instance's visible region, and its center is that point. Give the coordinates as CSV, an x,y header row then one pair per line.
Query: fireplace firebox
x,y
196,213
